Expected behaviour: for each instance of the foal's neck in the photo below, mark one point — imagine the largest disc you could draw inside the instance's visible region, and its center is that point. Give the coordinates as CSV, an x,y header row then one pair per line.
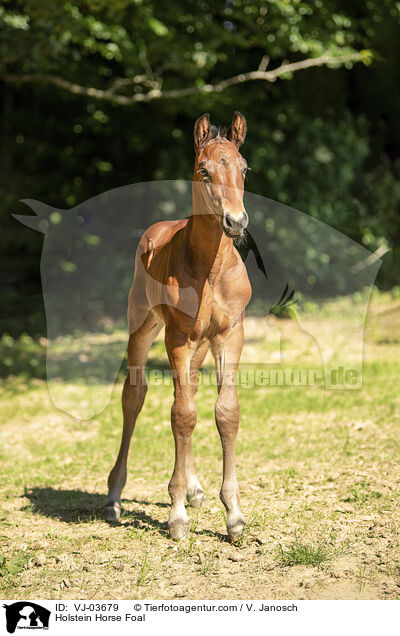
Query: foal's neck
x,y
209,249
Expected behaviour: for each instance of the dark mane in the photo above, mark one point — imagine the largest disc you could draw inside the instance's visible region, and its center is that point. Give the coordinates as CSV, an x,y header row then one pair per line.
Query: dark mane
x,y
217,131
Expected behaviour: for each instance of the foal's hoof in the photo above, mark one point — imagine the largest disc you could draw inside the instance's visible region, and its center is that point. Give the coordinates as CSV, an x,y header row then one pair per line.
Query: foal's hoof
x,y
112,512
196,499
177,530
235,533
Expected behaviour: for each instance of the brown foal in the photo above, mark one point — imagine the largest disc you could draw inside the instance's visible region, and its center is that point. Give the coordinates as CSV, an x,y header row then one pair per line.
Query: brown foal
x,y
189,276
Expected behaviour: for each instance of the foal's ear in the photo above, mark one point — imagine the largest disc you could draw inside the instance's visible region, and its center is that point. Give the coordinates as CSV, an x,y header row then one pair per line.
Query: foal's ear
x,y
202,129
238,129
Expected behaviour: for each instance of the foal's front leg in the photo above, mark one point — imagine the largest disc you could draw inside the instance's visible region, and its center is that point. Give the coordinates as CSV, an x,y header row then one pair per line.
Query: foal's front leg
x,y
226,350
183,422
194,492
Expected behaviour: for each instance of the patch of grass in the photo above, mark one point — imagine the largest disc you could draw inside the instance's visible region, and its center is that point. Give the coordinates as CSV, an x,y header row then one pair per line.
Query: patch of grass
x,y
209,563
298,553
11,566
145,571
286,479
137,533
361,493
192,535
150,567
256,521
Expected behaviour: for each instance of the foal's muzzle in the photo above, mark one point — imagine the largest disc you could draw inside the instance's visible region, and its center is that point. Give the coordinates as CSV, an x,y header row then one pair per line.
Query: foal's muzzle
x,y
234,225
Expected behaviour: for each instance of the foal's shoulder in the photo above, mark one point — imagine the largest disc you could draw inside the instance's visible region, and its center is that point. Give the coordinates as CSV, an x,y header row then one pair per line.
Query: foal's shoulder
x,y
160,233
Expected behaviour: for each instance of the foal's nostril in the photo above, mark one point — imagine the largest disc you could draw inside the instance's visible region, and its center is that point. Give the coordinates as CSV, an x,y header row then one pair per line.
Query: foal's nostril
x,y
245,220
235,226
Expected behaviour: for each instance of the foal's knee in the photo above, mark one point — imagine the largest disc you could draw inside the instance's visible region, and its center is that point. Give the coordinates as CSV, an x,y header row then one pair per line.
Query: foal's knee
x,y
227,413
183,417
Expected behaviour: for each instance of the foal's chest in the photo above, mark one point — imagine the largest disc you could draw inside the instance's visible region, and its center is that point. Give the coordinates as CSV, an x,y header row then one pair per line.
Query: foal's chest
x,y
214,317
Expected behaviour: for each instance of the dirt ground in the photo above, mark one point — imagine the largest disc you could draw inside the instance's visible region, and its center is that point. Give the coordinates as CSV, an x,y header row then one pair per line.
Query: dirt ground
x,y
318,473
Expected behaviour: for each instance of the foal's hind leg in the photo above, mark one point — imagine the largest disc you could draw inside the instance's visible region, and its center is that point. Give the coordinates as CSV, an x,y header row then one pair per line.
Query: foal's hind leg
x,y
133,395
194,492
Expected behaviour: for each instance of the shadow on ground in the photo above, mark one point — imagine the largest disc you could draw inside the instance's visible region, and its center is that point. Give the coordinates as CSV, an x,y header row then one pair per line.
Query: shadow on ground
x,y
79,506
70,506
96,363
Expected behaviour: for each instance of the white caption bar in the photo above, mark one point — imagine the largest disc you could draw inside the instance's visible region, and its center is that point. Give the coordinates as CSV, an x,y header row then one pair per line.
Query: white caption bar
x,y
147,616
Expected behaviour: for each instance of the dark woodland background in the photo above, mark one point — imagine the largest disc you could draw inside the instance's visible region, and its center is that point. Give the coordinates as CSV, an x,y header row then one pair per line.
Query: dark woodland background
x,y
324,140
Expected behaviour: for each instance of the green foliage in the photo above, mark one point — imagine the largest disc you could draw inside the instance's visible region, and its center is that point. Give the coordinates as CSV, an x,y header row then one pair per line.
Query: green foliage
x,y
326,142
23,356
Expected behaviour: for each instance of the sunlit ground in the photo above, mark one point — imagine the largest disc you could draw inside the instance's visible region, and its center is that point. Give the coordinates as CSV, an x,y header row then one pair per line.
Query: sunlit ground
x,y
318,471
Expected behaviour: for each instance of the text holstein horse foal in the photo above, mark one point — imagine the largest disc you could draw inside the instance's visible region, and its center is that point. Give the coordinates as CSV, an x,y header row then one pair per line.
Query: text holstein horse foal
x,y
194,254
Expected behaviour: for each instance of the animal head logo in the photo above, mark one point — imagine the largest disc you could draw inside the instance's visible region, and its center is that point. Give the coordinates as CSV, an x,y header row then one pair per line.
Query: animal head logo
x,y
88,261
26,615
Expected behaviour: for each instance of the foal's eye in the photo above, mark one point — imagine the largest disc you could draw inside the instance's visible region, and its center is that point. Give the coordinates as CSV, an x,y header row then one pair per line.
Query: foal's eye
x,y
245,170
203,172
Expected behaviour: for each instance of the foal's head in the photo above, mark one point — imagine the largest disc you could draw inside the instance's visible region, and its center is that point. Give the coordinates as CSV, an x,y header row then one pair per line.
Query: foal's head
x,y
221,169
